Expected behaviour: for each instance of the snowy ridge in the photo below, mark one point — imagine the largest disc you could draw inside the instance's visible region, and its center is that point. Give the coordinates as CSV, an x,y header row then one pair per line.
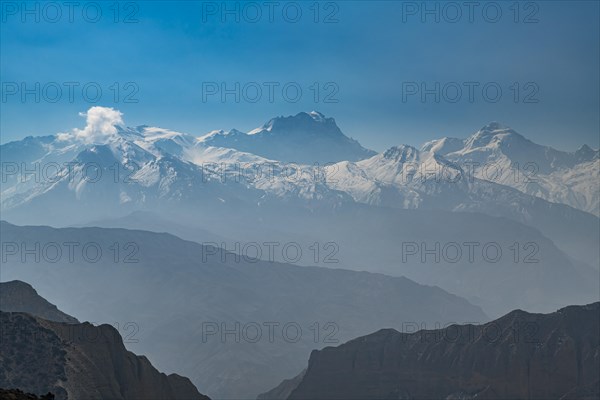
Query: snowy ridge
x,y
155,161
499,154
145,168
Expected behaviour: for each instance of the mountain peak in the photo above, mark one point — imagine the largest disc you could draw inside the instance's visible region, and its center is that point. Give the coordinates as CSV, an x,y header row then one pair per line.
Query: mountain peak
x,y
302,122
317,116
403,153
305,138
494,134
494,126
586,153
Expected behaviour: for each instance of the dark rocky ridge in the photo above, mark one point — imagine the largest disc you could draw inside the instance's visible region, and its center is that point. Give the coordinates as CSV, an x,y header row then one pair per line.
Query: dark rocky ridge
x,y
16,394
80,361
43,349
521,355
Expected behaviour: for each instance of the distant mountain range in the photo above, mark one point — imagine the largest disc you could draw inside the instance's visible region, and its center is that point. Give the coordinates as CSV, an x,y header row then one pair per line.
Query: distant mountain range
x,y
495,171
426,218
45,350
521,355
446,193
500,154
159,164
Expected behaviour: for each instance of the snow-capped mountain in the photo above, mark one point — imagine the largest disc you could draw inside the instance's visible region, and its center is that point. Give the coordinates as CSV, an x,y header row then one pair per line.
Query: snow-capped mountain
x,y
106,170
365,208
401,177
499,154
404,177
305,138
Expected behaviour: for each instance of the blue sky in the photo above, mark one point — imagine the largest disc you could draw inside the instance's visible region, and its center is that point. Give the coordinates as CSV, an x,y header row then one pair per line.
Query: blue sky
x,y
368,58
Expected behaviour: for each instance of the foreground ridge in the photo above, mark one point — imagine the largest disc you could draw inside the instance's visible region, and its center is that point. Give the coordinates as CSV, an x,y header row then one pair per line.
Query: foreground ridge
x,y
520,355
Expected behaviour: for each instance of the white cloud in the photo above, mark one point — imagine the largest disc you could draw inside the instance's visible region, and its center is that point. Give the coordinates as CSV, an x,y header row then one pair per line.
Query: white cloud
x,y
101,124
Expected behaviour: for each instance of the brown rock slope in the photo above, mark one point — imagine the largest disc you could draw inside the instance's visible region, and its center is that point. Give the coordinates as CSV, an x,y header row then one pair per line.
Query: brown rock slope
x,y
45,350
519,356
80,361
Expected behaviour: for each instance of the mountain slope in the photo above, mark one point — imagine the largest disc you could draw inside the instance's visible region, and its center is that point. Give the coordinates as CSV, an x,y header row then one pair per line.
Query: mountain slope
x,y
176,291
404,177
284,389
521,355
156,170
17,296
80,361
501,155
240,197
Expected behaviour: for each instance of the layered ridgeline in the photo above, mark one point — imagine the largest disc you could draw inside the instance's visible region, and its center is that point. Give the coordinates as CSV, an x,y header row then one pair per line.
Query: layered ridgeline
x,y
45,350
404,177
106,170
521,355
404,212
234,325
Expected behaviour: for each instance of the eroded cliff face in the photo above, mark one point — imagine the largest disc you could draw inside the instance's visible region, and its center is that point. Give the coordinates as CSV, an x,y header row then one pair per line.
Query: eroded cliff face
x,y
80,361
519,356
33,358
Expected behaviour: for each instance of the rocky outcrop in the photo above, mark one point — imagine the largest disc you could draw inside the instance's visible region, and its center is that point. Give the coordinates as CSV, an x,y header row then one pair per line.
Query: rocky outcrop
x,y
521,355
16,394
80,361
43,350
21,297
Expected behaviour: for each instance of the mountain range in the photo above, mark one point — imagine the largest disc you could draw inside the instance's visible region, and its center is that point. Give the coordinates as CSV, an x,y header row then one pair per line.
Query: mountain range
x,y
196,232
106,175
178,299
159,164
500,154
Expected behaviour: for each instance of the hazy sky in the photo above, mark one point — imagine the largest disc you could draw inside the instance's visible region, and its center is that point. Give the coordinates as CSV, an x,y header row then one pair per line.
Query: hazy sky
x,y
369,60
